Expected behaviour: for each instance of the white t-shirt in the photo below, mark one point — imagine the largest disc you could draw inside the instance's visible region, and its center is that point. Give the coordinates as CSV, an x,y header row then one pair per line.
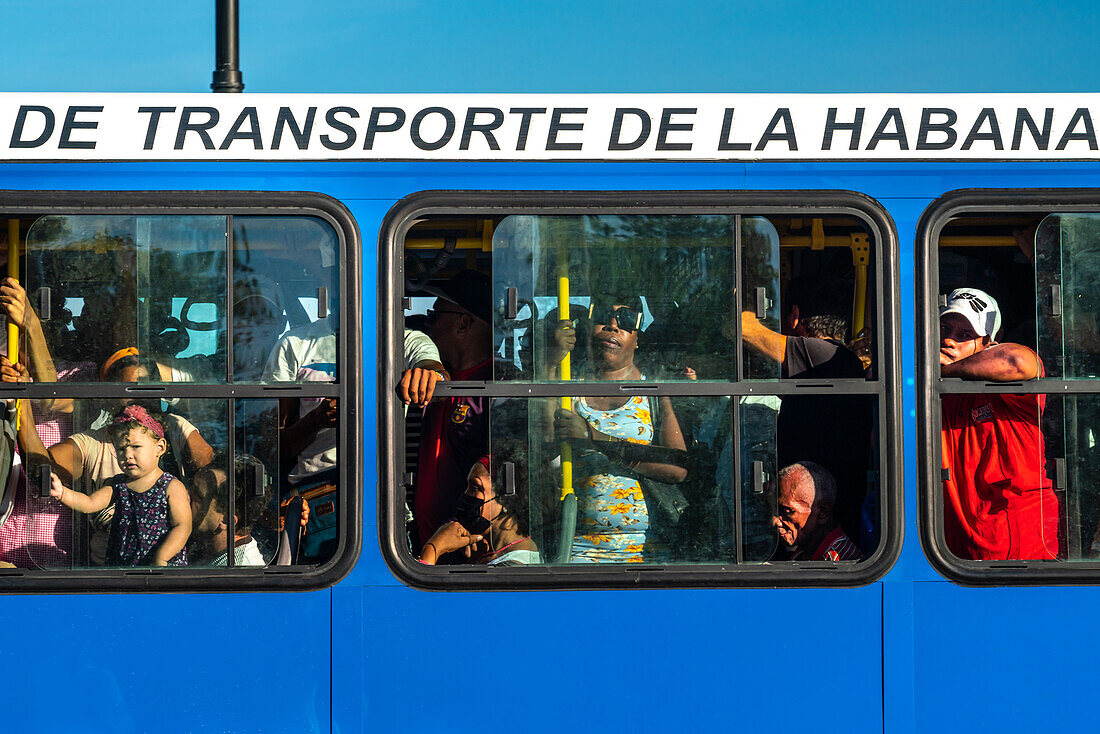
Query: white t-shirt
x,y
418,348
307,354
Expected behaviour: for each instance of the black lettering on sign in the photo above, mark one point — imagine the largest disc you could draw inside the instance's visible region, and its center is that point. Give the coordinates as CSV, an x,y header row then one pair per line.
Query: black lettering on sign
x,y
667,126
485,128
1081,116
1023,117
987,115
301,134
525,114
201,128
418,119
154,121
614,143
893,115
374,124
783,115
348,130
71,123
17,140
557,126
927,127
831,125
248,114
724,142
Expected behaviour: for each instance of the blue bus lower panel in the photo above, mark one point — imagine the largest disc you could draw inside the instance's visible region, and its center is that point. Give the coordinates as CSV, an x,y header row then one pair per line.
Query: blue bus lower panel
x,y
621,661
1009,659
193,663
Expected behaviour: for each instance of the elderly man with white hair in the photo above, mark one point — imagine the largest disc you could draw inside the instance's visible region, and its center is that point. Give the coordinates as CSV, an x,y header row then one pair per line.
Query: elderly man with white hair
x,y
805,521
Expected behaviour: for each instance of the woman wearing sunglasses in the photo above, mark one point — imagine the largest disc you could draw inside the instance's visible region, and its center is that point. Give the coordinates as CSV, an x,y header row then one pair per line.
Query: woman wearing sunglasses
x,y
619,443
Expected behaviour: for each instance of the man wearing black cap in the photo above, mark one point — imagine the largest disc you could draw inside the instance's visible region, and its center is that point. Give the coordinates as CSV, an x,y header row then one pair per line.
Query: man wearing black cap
x,y
456,429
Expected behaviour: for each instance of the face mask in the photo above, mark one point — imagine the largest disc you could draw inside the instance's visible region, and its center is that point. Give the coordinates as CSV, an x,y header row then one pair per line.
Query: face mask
x,y
468,514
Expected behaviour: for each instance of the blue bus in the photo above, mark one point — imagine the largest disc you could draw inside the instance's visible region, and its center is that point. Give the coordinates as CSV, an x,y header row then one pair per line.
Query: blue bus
x,y
682,352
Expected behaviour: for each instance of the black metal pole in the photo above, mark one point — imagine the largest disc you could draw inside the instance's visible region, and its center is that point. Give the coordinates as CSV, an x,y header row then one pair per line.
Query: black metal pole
x,y
227,77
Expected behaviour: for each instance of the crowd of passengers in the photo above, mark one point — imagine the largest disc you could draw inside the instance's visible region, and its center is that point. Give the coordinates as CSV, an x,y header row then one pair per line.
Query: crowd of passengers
x,y
651,477
643,492
146,486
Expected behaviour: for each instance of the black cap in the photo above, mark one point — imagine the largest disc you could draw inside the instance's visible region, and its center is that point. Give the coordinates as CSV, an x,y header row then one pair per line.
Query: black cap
x,y
470,289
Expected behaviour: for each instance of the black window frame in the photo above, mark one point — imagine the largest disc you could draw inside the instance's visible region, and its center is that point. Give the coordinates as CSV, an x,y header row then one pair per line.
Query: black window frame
x,y
931,386
391,519
347,389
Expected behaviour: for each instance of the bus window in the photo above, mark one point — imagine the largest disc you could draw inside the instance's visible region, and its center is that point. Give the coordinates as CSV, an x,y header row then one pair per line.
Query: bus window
x,y
611,392
1015,332
149,440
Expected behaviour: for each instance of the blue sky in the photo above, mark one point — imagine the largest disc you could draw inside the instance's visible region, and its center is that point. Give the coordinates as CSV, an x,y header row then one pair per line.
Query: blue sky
x,y
557,46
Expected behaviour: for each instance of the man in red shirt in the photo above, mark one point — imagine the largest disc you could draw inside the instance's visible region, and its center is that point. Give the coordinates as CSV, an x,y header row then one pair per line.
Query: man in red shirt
x,y
455,429
998,501
805,524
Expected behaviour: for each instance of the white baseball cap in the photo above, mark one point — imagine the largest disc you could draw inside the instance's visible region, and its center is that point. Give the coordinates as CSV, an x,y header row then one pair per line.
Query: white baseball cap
x,y
977,307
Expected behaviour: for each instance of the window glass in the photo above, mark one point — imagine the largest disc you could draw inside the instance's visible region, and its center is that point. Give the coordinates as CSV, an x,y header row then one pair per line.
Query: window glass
x,y
154,285
158,315
670,441
666,280
285,294
1067,269
1016,336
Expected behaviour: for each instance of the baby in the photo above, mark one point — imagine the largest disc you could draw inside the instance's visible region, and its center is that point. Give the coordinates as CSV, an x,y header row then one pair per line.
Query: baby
x,y
152,518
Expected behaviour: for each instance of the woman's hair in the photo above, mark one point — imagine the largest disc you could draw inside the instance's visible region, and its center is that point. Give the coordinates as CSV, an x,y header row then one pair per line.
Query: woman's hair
x,y
115,364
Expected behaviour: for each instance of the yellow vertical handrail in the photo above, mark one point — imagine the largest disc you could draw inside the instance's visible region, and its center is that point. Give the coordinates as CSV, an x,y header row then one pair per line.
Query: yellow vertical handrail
x,y
13,272
564,372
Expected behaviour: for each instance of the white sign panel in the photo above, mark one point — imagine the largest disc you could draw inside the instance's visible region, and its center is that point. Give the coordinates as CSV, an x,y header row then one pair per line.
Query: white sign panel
x,y
548,127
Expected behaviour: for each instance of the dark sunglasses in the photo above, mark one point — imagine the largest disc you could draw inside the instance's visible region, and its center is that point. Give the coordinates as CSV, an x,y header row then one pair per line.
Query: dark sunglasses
x,y
627,319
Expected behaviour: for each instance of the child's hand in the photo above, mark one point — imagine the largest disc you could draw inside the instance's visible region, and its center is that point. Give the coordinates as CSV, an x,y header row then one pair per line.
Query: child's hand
x,y
57,489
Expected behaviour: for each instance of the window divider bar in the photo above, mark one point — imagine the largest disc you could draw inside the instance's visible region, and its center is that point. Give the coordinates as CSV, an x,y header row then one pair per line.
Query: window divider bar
x,y
230,248
738,534
231,484
739,347
689,388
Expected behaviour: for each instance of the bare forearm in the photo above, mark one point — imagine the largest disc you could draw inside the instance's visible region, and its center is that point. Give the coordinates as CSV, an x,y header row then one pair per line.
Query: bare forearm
x,y
760,338
39,360
79,501
1000,363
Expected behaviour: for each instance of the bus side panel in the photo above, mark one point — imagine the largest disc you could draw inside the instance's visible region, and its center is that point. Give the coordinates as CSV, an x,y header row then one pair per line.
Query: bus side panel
x,y
1008,659
617,660
179,663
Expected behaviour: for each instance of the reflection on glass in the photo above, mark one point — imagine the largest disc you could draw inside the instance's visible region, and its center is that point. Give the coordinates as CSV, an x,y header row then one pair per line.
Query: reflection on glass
x,y
1071,427
650,478
1067,269
674,273
285,299
760,288
153,284
758,415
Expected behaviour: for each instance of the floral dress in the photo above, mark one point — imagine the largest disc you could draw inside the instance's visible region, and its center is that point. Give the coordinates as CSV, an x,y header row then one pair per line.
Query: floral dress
x,y
612,518
140,522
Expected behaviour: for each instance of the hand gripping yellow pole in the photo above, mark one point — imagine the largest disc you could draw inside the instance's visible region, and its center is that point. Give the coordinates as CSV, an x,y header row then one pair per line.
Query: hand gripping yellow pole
x,y
13,272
